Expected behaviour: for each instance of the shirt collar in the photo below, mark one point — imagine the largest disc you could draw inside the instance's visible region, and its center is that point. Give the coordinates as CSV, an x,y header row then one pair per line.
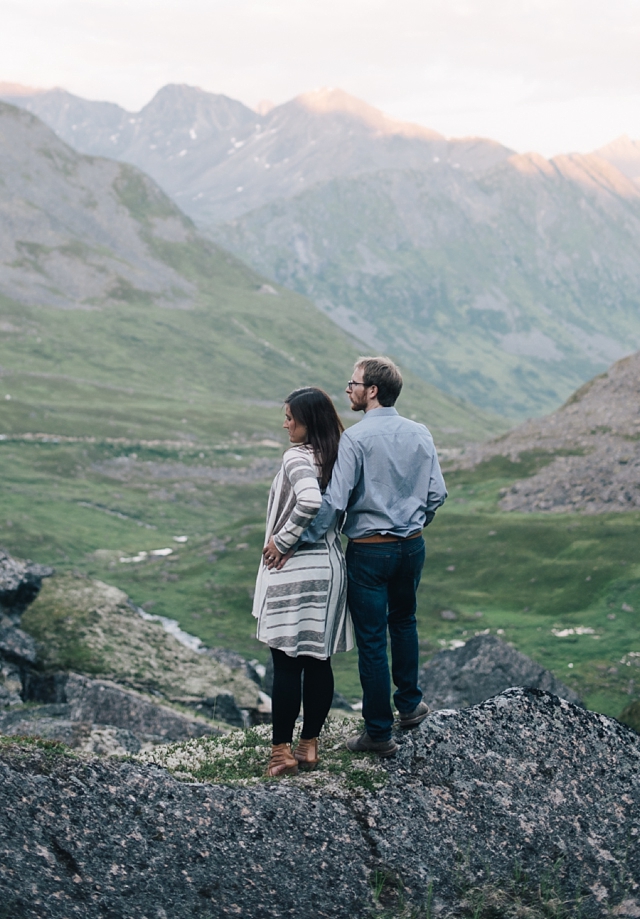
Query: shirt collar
x,y
378,412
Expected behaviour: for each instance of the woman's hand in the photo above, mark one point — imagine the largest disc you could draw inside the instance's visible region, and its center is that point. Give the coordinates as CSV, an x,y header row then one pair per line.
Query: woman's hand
x,y
271,555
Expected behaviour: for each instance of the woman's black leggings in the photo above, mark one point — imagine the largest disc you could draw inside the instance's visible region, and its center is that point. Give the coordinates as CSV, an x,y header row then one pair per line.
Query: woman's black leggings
x,y
317,694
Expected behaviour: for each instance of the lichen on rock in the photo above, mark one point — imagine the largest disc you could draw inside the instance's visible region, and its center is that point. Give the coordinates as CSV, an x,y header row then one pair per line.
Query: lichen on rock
x,y
526,800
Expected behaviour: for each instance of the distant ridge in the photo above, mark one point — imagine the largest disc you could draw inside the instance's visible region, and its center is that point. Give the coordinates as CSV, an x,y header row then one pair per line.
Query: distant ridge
x,y
105,287
17,89
503,279
219,159
624,154
508,286
591,446
329,101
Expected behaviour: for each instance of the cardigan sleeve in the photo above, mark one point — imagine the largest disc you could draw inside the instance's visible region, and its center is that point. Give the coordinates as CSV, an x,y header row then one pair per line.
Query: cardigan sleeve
x,y
300,469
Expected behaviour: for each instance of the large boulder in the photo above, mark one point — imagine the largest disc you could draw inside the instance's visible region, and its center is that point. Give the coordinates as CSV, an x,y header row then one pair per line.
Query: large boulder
x,y
91,627
526,803
483,667
20,582
16,646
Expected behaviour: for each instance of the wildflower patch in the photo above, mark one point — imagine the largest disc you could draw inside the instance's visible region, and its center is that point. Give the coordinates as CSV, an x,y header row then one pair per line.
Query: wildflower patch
x,y
240,758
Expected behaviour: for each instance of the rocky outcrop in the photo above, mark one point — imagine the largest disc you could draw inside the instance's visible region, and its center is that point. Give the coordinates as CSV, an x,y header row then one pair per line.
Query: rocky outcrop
x,y
525,798
20,582
16,646
139,674
90,627
589,450
484,667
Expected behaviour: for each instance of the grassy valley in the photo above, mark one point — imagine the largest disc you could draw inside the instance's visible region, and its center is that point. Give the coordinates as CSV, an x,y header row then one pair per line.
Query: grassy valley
x,y
564,588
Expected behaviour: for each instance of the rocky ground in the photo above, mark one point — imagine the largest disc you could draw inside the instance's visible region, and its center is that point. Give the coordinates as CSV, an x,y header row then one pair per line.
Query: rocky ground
x,y
525,800
593,442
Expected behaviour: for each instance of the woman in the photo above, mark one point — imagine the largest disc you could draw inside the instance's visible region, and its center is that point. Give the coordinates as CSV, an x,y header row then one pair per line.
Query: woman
x,y
302,608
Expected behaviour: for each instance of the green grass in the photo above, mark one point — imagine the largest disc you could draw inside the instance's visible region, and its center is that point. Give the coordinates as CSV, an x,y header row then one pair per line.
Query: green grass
x,y
241,758
528,575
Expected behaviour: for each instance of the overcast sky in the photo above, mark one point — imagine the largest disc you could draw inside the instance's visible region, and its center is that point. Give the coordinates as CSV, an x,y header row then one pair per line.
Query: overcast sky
x,y
545,75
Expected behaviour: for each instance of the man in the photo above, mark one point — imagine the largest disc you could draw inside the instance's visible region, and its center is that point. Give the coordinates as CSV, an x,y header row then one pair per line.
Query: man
x,y
388,480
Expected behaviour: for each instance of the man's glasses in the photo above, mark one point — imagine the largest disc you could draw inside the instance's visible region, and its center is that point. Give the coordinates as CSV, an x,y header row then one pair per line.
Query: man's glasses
x,y
353,383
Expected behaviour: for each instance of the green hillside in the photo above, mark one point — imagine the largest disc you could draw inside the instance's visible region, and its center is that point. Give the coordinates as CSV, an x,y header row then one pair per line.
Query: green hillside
x,y
118,319
564,589
508,286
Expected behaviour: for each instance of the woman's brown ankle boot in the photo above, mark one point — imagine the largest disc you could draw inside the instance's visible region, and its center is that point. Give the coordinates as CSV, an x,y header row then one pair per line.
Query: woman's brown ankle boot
x,y
282,761
307,753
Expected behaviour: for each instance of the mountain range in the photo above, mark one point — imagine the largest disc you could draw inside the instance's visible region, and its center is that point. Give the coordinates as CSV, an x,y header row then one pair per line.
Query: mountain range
x,y
509,287
110,297
218,159
504,279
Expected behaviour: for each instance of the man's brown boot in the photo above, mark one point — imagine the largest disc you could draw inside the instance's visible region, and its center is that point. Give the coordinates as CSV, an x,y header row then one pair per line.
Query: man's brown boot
x,y
307,753
362,743
282,761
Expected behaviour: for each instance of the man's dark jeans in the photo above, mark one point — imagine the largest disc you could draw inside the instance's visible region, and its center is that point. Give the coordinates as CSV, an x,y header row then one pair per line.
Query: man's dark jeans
x,y
382,583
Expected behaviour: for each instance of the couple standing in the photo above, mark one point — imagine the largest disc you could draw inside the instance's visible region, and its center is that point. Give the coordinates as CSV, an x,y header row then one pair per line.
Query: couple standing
x,y
384,473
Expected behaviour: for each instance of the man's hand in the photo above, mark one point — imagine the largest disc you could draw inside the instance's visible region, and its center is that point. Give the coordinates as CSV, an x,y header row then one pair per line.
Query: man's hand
x,y
271,555
285,558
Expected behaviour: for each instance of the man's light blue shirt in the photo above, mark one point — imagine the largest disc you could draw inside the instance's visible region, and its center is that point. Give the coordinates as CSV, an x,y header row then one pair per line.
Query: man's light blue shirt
x,y
387,478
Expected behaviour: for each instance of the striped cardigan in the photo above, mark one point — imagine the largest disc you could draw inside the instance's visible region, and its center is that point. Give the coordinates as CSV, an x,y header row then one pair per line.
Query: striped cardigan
x,y
302,609
299,499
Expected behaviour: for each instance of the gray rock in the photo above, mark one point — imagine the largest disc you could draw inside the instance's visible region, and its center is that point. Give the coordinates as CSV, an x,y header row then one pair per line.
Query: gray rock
x,y
20,583
10,685
101,702
340,702
591,446
56,722
524,785
234,661
223,707
16,645
484,667
95,621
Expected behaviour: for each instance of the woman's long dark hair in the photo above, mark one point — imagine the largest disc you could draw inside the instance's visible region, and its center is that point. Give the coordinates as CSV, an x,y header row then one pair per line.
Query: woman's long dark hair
x,y
313,408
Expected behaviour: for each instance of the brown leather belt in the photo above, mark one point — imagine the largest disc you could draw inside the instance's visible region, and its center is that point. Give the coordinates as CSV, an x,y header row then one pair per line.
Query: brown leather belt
x,y
387,537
